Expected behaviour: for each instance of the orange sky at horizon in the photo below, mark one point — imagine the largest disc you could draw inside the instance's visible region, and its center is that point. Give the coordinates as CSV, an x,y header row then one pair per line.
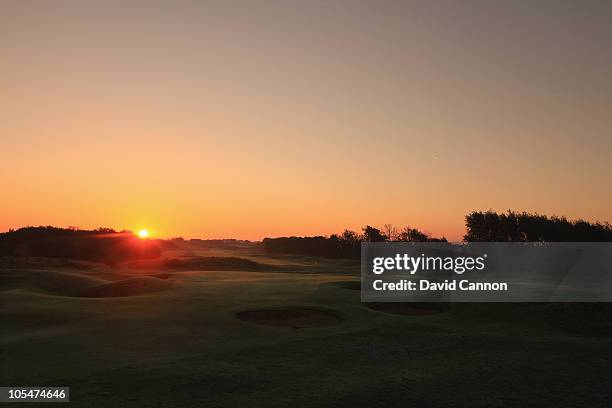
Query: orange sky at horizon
x,y
218,120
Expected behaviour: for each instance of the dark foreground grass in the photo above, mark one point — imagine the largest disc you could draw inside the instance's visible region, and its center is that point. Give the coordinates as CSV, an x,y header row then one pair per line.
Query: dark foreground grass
x,y
186,347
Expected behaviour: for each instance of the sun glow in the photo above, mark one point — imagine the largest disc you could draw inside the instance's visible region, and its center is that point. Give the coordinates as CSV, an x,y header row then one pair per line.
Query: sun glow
x,y
143,233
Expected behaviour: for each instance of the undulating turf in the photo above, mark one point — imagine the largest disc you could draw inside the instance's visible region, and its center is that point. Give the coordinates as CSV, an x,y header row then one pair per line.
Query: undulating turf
x,y
120,336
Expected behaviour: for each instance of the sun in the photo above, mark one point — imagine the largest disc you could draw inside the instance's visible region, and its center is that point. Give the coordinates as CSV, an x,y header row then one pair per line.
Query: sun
x,y
143,233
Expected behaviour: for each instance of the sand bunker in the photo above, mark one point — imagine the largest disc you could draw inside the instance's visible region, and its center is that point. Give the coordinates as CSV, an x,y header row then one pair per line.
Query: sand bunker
x,y
297,318
128,287
409,308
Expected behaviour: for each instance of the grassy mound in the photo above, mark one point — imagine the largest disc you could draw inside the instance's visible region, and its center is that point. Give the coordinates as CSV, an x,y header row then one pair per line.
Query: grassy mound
x,y
297,318
350,285
128,287
50,282
201,263
408,309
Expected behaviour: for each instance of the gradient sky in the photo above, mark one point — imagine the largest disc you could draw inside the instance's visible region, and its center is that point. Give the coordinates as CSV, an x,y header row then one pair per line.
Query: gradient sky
x,y
267,118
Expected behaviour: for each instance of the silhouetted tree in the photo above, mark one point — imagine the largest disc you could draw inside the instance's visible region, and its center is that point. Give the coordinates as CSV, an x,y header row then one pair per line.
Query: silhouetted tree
x,y
489,226
390,231
412,235
371,234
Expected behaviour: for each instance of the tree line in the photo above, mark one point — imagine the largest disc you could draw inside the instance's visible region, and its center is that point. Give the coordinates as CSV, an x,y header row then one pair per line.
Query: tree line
x,y
108,245
487,226
101,245
511,226
347,244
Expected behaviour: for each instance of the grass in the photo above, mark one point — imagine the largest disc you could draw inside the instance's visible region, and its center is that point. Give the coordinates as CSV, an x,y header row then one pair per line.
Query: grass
x,y
184,346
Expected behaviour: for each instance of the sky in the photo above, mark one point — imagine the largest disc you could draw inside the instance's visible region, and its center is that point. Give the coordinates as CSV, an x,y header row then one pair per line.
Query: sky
x,y
249,119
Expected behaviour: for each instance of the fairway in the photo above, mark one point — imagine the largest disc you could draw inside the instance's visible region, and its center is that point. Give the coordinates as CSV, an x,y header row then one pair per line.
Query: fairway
x,y
148,338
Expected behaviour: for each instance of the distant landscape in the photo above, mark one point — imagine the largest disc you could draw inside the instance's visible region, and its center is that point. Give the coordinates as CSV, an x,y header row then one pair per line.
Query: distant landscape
x,y
154,322
113,247
306,204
